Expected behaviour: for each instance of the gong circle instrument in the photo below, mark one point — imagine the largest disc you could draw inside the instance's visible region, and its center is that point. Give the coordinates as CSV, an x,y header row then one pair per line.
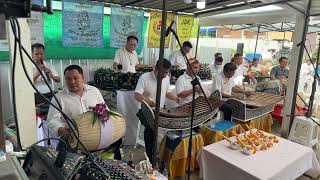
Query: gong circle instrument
x,y
205,72
175,73
254,106
179,118
107,79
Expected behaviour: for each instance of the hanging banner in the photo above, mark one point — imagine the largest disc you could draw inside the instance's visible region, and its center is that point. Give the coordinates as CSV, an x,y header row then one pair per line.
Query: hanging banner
x,y
82,24
36,24
36,27
155,29
4,45
195,27
125,22
185,23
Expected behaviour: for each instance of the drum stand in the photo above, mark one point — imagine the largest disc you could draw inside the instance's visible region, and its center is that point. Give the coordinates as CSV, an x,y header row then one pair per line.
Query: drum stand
x,y
194,83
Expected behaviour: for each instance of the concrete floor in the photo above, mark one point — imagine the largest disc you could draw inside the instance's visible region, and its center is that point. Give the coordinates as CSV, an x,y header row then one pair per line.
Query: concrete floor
x,y
136,154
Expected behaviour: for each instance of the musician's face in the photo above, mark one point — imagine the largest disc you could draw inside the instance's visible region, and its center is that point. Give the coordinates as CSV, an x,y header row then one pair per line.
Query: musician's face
x,y
284,63
195,67
131,45
164,70
74,81
239,60
229,74
186,50
38,54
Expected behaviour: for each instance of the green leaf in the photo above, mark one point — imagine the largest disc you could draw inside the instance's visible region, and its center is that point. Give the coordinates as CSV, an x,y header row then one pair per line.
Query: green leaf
x,y
111,113
94,120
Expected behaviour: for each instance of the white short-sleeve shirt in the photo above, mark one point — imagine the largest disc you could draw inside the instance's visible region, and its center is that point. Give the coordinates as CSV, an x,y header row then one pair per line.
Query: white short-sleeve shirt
x,y
183,84
72,105
127,60
177,58
223,84
239,75
147,86
39,82
306,69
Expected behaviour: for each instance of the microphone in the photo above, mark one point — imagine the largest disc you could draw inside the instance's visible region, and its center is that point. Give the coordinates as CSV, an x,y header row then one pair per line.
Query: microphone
x,y
169,29
48,77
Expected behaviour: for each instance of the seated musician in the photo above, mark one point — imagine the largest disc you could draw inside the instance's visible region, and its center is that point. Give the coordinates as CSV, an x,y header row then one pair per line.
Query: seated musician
x,y
281,71
126,59
225,83
256,66
184,86
177,59
240,72
38,55
216,66
75,99
146,90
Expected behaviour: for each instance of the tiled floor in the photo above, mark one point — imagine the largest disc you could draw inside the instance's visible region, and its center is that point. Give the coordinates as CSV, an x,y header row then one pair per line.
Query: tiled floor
x,y
137,155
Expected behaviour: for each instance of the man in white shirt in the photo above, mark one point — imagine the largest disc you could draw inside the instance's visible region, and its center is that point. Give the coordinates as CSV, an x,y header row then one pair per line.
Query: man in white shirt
x,y
256,67
177,59
146,90
225,83
307,68
38,55
240,72
216,66
184,86
126,59
75,99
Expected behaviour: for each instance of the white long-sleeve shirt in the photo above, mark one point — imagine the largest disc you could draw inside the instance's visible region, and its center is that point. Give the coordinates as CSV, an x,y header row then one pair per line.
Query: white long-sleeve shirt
x,y
39,82
177,58
72,105
184,84
127,59
147,86
223,84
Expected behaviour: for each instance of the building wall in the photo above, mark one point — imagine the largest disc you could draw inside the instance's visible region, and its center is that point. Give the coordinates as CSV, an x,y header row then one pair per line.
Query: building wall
x,y
227,33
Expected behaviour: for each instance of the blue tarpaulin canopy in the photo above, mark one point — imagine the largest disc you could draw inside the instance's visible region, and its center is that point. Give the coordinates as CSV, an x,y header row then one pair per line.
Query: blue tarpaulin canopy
x,y
251,56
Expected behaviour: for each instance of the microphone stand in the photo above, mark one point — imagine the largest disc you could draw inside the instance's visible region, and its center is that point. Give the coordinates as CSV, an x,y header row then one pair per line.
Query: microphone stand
x,y
194,83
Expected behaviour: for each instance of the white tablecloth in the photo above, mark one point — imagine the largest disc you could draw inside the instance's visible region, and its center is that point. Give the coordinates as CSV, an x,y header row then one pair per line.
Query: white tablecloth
x,y
284,161
128,107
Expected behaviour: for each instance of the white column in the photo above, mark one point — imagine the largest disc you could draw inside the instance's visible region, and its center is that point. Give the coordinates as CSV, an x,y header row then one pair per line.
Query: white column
x,y
24,93
294,69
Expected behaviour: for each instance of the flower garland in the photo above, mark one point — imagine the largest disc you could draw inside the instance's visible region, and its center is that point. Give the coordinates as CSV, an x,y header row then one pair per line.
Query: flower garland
x,y
102,113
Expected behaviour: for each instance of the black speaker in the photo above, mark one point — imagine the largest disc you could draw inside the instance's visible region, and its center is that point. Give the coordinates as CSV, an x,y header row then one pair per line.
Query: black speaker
x,y
15,8
40,164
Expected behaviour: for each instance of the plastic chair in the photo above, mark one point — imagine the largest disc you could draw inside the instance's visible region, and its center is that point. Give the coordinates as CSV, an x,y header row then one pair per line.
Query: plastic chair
x,y
304,131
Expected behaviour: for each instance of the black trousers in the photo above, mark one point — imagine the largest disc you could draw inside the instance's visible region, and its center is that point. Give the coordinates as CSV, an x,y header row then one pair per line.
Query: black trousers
x,y
227,111
148,135
117,145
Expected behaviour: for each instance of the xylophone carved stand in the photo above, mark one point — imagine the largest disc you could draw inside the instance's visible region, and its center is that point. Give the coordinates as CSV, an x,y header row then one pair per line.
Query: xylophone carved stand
x,y
194,83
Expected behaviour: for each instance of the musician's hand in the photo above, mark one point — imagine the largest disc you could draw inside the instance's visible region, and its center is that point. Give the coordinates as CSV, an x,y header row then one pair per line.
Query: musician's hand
x,y
151,103
248,93
65,132
48,71
42,67
198,89
177,100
